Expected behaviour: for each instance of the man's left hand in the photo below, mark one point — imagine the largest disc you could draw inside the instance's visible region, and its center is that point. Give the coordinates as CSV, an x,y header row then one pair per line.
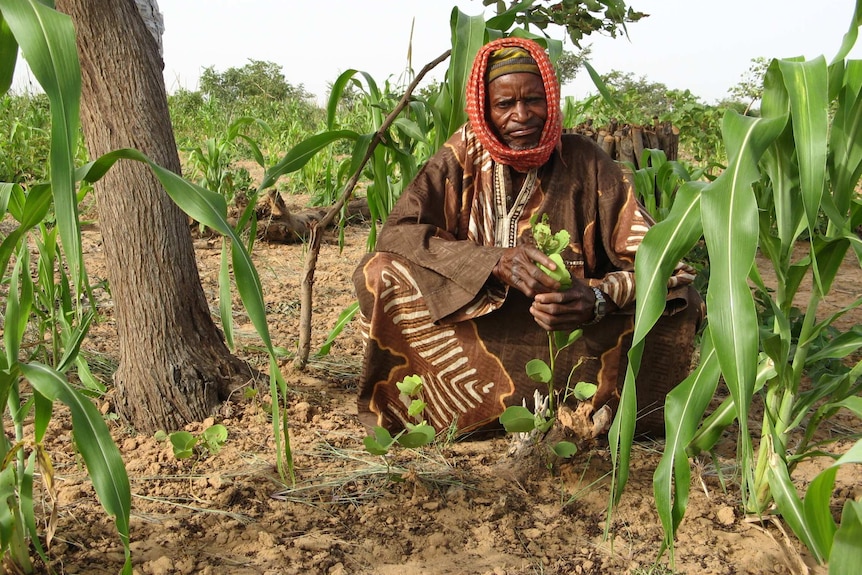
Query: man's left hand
x,y
565,310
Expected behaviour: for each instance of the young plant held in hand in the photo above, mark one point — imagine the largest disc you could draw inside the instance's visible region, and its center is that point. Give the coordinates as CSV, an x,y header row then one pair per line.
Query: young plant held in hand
x,y
519,419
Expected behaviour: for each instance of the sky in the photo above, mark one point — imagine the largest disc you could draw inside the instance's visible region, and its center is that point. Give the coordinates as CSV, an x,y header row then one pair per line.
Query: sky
x,y
703,46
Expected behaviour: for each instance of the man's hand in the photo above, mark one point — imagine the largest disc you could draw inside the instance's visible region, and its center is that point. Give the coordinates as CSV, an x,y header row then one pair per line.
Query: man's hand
x,y
518,269
566,310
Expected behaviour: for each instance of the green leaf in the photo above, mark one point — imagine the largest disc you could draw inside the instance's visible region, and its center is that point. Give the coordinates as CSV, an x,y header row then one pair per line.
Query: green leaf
x,y
601,86
840,347
712,428
183,443
563,339
564,449
662,248
806,84
854,404
410,385
846,553
344,318
93,440
18,304
791,507
410,128
518,419
224,298
846,161
8,506
374,447
684,408
585,390
215,437
561,273
538,371
210,209
8,55
417,406
817,512
468,36
47,41
379,443
730,225
417,436
300,154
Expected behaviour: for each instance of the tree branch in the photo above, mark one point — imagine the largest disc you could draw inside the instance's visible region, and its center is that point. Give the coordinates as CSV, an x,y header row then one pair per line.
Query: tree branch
x,y
315,231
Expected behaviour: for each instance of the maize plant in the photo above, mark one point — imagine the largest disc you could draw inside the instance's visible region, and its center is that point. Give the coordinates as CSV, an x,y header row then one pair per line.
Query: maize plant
x,y
790,183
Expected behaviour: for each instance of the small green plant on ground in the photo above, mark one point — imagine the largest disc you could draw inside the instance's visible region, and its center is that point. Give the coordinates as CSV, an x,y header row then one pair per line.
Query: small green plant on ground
x,y
414,434
185,444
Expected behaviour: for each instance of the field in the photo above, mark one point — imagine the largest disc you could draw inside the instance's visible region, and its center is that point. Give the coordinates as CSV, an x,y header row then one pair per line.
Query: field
x,y
461,507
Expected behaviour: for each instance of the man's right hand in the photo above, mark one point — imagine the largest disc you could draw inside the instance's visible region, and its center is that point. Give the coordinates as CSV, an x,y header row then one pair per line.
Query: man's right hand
x,y
518,269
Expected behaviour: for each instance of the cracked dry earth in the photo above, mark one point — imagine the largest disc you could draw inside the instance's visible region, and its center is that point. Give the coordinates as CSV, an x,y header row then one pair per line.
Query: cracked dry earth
x,y
457,508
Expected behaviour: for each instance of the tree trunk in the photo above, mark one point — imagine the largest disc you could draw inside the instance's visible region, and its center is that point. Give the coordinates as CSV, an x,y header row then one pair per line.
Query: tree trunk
x,y
174,366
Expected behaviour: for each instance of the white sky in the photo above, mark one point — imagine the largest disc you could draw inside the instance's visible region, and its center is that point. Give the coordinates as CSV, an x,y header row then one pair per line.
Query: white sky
x,y
704,46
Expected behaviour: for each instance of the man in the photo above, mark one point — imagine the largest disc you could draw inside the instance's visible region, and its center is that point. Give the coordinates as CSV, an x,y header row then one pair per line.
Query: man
x,y
453,293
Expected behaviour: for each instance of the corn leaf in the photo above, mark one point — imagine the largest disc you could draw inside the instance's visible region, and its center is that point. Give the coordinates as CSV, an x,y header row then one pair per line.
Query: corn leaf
x,y
725,414
846,553
662,248
224,299
7,517
845,165
47,40
807,88
851,35
730,226
335,93
791,507
93,440
8,55
601,86
684,409
210,209
300,154
343,319
468,36
18,304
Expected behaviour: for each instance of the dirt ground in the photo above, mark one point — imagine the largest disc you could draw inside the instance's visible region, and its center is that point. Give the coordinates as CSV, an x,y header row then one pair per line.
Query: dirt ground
x,y
456,508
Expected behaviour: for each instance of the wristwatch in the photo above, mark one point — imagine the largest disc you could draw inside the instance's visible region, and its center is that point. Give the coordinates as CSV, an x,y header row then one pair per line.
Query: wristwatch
x,y
601,307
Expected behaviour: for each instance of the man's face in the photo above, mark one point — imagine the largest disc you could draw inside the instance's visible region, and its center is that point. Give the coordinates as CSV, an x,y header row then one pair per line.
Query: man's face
x,y
518,109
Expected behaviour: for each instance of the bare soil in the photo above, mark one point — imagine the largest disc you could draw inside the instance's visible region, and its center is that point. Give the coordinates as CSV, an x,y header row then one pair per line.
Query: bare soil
x,y
456,508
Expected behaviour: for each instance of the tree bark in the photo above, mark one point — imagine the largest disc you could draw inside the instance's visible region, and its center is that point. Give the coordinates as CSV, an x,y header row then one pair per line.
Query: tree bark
x,y
174,367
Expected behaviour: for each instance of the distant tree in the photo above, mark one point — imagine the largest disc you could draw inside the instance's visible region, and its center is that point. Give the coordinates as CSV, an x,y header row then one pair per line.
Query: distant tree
x,y
640,98
570,63
750,87
257,79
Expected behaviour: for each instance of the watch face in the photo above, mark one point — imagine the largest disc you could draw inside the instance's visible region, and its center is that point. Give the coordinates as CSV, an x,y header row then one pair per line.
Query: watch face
x,y
601,305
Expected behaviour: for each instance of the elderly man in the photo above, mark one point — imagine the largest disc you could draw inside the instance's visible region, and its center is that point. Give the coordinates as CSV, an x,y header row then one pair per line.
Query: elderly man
x,y
453,293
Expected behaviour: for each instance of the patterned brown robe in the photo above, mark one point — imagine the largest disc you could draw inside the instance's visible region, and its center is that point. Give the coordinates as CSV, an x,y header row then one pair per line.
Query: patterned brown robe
x,y
431,307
